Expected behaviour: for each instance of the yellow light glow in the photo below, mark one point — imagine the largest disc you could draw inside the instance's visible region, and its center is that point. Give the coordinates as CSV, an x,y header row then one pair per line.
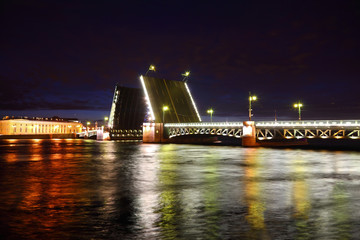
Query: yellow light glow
x,y
152,68
186,74
252,98
88,123
165,108
210,111
106,118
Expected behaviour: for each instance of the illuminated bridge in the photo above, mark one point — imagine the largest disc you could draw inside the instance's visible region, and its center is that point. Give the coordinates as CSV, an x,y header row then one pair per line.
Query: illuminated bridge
x,y
267,130
268,133
173,117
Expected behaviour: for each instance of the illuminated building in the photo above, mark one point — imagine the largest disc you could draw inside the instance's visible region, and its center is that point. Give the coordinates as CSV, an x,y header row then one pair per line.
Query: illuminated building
x,y
39,128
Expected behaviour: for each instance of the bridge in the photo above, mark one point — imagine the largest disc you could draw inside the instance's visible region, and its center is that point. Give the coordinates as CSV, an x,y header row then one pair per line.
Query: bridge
x,y
268,130
173,117
263,132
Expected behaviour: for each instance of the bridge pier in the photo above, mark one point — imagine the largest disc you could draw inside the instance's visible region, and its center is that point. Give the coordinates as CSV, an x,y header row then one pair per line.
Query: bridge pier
x,y
249,134
153,133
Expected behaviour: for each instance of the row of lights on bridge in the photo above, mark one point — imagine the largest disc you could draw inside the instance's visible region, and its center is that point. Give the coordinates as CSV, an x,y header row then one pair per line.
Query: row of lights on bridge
x,y
254,98
105,120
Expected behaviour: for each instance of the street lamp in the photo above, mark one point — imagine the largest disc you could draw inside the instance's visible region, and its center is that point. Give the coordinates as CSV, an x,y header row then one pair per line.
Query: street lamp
x,y
210,111
251,98
151,68
186,75
105,120
164,109
298,105
87,128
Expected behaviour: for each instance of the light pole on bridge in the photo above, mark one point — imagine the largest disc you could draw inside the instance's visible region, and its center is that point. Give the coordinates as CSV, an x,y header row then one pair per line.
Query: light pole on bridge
x,y
105,121
210,111
298,105
164,109
251,98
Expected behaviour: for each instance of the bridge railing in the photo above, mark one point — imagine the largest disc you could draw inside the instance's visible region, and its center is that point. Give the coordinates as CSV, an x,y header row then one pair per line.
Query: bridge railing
x,y
306,124
272,129
205,124
337,129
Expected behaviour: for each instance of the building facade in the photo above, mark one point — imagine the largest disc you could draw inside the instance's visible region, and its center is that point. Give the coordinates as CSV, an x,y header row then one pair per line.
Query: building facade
x,y
35,127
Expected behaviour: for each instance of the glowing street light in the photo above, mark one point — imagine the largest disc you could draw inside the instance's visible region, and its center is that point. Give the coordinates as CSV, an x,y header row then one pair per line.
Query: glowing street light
x,y
251,98
186,75
105,120
151,68
210,111
298,105
87,128
164,109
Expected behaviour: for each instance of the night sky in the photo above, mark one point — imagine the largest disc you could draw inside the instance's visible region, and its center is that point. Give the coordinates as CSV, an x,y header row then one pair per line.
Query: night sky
x,y
64,57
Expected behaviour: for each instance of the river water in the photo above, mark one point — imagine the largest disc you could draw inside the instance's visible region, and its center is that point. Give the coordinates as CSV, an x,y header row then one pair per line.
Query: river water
x,y
86,189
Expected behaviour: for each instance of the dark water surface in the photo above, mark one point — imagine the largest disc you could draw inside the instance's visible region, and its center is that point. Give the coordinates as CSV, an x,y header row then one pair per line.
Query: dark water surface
x,y
84,189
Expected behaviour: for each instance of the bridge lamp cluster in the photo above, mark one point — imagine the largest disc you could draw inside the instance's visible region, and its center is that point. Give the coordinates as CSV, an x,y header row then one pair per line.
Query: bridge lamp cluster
x,y
252,98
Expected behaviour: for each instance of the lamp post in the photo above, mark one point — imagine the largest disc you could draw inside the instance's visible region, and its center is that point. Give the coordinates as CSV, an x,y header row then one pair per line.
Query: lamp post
x,y
151,68
298,105
88,124
186,75
210,111
251,98
105,120
164,109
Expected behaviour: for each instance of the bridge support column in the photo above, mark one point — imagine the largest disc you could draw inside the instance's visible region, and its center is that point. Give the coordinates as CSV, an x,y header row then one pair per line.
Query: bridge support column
x,y
152,132
249,134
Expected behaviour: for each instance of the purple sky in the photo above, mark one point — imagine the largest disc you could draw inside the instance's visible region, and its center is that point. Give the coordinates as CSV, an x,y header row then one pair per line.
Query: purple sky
x,y
65,57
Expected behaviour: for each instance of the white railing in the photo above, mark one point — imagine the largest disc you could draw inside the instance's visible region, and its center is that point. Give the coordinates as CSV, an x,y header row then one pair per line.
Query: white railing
x,y
205,124
305,124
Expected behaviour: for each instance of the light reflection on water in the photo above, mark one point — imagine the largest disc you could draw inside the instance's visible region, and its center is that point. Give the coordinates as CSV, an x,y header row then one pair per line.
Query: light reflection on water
x,y
83,189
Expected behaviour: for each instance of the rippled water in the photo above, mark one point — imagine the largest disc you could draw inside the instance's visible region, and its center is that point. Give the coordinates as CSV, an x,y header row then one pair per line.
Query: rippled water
x,y
84,189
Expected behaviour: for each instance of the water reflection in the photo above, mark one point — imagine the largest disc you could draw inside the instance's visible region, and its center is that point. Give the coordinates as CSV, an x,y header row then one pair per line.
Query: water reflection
x,y
254,194
168,201
61,189
301,199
